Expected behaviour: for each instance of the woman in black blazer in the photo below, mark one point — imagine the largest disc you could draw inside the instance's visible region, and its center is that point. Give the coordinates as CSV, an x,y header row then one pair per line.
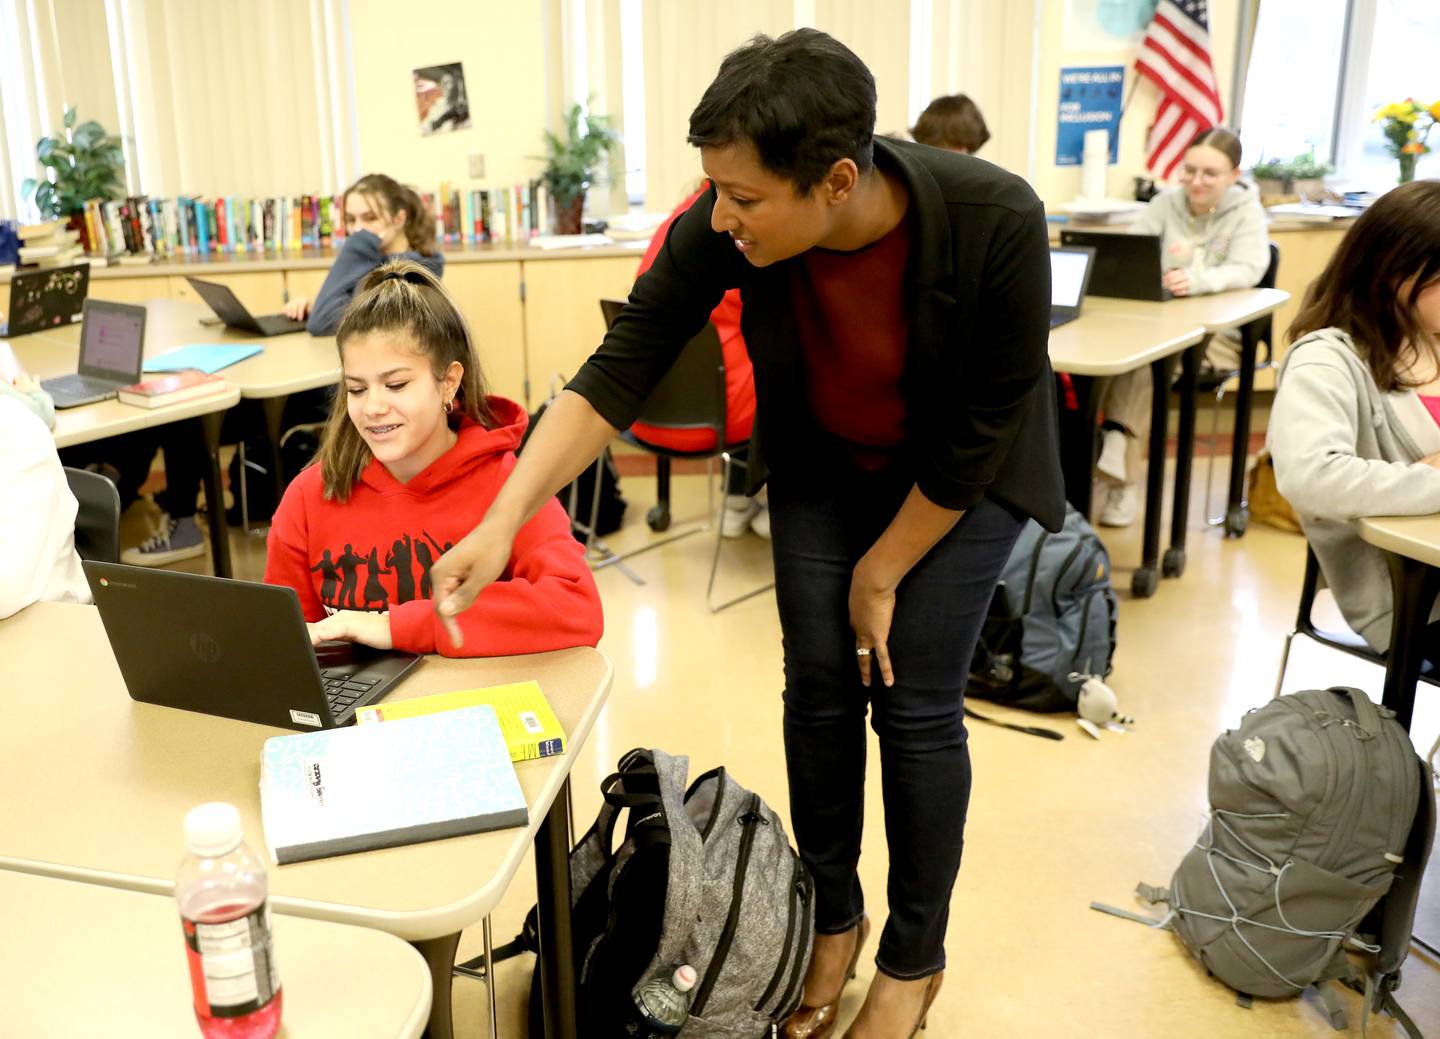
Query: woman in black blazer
x,y
896,308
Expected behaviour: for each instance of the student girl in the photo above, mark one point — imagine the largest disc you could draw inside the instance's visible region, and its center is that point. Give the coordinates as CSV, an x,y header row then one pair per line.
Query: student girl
x,y
412,456
896,302
1212,233
383,220
1355,428
952,122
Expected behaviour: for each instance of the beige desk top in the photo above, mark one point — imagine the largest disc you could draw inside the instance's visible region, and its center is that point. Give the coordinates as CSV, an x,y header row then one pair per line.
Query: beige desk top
x,y
1215,313
79,959
287,364
1102,343
111,813
1416,537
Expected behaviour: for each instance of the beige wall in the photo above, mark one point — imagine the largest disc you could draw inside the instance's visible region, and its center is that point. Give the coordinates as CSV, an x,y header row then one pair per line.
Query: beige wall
x,y
503,49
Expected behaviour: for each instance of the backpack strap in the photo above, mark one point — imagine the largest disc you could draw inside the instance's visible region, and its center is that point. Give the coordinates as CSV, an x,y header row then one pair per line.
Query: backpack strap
x,y
1367,715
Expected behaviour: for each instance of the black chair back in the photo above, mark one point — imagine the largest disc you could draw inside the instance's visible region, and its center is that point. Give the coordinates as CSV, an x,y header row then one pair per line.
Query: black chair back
x,y
97,523
692,393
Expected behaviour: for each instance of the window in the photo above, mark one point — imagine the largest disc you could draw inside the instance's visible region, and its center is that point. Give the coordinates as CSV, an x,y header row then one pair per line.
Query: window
x,y
1289,103
1402,63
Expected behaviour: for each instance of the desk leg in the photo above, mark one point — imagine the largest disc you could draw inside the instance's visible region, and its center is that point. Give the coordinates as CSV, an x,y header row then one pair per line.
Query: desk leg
x,y
274,408
1144,579
1077,440
1237,517
215,494
1414,587
552,888
1173,565
439,955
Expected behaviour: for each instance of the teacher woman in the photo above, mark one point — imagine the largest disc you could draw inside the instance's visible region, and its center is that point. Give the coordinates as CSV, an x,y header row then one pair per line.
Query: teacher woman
x,y
896,307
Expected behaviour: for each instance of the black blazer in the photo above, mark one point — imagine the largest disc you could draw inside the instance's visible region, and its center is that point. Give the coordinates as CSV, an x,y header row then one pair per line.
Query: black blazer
x,y
980,397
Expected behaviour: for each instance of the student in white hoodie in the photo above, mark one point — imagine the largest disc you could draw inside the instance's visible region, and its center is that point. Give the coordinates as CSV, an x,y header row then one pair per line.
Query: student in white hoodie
x,y
1213,238
1355,428
37,524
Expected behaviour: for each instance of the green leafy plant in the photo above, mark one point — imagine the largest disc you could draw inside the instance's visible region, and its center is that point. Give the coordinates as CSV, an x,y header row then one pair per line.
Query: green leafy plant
x,y
574,162
1307,167
87,163
1271,169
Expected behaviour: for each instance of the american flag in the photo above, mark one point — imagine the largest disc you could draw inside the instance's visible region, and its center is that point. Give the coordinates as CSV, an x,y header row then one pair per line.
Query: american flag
x,y
1175,56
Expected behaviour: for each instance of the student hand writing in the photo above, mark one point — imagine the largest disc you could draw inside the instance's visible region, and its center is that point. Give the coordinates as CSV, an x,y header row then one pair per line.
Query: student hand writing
x,y
1177,281
872,609
297,309
370,629
462,573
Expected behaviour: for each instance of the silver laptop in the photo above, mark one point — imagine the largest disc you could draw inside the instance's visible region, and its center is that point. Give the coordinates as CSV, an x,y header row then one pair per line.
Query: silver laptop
x,y
112,351
1069,278
234,649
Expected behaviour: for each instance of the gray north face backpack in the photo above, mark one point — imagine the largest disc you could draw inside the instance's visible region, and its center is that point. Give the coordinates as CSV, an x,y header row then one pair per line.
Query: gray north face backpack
x,y
1051,622
1321,821
703,876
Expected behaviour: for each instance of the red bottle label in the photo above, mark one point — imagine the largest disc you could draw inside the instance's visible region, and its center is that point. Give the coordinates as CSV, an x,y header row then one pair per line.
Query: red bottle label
x,y
232,965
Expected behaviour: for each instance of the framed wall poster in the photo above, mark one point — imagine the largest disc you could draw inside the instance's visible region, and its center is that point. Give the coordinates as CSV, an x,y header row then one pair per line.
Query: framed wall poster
x,y
1090,99
440,98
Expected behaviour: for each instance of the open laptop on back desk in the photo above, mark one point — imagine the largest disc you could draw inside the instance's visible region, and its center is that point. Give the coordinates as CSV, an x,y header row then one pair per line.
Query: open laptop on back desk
x,y
229,309
50,297
234,649
1069,275
1127,266
112,353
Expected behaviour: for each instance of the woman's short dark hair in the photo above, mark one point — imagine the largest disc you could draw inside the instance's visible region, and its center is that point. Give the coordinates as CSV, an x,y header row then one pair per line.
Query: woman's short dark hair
x,y
952,121
1223,140
803,100
1360,291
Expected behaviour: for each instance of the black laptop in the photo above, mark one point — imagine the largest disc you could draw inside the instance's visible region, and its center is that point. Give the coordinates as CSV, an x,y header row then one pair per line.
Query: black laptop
x,y
48,298
229,309
234,649
1069,275
112,351
1127,266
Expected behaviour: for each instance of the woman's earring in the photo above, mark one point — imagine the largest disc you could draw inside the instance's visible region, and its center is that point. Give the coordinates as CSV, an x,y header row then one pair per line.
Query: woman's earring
x,y
450,406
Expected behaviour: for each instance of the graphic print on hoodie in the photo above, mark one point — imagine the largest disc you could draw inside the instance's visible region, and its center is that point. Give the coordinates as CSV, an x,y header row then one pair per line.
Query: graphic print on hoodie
x,y
374,552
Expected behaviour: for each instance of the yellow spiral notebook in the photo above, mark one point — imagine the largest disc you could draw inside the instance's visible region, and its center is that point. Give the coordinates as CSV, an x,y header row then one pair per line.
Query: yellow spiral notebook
x,y
530,727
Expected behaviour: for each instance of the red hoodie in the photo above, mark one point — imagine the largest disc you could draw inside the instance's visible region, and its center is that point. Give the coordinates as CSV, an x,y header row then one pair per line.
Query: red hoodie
x,y
374,551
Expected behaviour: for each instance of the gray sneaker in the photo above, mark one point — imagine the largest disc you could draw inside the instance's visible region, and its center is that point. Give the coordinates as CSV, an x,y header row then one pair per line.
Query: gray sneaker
x,y
177,539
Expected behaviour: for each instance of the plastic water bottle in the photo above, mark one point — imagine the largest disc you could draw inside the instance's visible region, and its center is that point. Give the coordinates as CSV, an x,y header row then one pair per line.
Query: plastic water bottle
x,y
664,1003
222,893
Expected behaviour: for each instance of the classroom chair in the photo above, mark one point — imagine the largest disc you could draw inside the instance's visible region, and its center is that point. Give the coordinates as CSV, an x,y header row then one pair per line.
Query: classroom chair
x,y
690,396
97,522
1216,382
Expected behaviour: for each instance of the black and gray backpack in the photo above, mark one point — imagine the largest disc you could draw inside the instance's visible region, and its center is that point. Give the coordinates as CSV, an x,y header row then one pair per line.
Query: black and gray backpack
x,y
1051,622
704,876
1321,821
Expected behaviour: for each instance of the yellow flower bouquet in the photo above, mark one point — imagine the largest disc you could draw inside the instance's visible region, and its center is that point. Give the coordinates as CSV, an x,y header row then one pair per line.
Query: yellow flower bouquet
x,y
1406,124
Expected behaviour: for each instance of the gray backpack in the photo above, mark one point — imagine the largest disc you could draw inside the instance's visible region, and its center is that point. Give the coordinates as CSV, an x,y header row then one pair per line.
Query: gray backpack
x,y
1051,621
1321,811
704,876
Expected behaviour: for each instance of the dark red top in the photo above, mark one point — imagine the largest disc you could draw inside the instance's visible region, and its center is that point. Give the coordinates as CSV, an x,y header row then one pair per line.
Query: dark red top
x,y
853,328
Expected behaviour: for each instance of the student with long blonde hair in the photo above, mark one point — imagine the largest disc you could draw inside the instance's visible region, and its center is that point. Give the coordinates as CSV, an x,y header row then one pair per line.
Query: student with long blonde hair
x,y
410,460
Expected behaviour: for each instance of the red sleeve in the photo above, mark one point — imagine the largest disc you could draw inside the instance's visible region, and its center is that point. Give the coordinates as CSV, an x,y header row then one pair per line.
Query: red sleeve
x,y
658,238
547,600
287,550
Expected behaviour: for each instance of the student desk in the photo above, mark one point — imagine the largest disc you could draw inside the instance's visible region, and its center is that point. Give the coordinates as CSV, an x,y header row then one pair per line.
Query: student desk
x,y
79,959
1240,309
288,364
1412,549
112,815
1102,344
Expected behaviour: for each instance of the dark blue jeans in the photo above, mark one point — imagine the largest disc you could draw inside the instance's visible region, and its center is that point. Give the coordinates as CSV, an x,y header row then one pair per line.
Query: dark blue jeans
x,y
820,529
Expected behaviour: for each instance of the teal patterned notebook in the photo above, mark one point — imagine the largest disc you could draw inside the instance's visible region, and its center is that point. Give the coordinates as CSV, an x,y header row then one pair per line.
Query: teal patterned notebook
x,y
378,786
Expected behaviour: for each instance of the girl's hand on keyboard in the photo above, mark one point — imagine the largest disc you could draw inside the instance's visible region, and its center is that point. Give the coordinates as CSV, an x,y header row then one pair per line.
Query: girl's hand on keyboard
x,y
371,629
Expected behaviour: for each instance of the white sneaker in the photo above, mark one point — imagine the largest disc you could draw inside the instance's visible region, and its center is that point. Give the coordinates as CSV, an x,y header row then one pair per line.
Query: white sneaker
x,y
1122,503
760,524
1112,455
736,516
175,540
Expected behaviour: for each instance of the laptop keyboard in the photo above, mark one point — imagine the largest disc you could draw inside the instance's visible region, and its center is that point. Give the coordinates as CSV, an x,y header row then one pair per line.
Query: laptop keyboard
x,y
343,689
78,387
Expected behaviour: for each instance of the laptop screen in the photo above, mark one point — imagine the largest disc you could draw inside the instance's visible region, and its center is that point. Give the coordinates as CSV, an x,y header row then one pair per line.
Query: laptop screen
x,y
1067,277
112,340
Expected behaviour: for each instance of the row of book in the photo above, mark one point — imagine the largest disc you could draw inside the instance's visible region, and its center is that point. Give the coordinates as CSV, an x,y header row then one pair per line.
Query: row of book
x,y
141,228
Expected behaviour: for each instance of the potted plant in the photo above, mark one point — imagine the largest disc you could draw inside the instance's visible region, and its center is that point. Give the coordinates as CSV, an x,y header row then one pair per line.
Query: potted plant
x,y
574,162
1307,175
87,163
1405,125
1272,177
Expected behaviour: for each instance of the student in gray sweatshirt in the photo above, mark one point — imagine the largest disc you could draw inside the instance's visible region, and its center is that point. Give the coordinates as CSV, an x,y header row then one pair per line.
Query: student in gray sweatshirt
x,y
1213,238
1355,429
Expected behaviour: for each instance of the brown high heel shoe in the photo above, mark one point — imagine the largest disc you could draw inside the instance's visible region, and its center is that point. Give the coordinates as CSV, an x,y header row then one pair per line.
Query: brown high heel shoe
x,y
816,1022
932,989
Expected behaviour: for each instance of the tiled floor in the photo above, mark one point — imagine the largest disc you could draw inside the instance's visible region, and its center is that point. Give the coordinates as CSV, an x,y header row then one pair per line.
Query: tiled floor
x,y
1052,826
